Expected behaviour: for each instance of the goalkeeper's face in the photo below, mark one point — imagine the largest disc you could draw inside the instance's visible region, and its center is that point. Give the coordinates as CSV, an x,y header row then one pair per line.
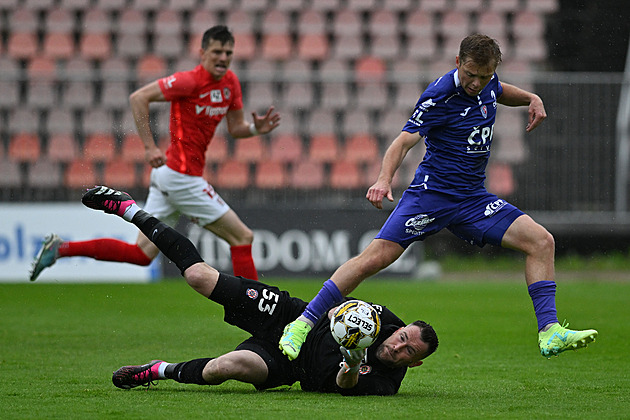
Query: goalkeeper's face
x,y
403,348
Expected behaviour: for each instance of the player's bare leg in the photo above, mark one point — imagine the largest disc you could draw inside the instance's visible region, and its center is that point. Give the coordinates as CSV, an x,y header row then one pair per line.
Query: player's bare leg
x,y
538,244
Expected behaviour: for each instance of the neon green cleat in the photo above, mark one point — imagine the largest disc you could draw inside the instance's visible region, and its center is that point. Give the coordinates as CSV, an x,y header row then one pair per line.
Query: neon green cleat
x,y
293,337
559,338
47,255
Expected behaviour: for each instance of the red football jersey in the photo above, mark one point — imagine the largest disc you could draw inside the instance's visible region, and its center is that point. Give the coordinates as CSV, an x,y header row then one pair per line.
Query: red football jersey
x,y
198,104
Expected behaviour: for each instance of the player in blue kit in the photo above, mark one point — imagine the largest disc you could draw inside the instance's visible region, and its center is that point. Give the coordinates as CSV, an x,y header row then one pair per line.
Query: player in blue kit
x,y
455,117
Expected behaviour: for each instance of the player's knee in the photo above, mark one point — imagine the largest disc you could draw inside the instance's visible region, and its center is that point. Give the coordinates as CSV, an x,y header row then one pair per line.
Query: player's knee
x,y
197,276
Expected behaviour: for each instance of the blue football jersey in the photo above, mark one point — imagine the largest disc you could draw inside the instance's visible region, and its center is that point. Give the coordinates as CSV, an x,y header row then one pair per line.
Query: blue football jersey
x,y
458,132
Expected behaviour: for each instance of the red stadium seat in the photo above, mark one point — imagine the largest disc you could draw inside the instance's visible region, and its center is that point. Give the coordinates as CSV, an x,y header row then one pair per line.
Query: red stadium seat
x,y
80,174
313,47
95,46
370,69
58,45
62,147
22,46
361,147
99,147
345,175
286,148
270,175
323,148
150,67
251,149
307,175
277,46
233,174
120,174
24,147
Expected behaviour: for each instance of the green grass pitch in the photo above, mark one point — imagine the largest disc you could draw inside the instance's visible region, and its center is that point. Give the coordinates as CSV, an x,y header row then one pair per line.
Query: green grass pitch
x,y
60,343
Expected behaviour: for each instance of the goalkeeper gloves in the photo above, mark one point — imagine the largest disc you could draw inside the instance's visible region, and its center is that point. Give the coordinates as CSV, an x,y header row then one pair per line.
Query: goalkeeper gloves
x,y
352,359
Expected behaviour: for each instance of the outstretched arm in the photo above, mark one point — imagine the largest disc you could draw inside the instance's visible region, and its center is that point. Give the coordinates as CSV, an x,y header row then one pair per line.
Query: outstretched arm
x,y
394,156
262,124
514,96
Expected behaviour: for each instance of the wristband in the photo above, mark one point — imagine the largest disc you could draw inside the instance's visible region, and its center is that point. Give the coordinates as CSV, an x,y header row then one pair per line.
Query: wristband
x,y
350,369
253,129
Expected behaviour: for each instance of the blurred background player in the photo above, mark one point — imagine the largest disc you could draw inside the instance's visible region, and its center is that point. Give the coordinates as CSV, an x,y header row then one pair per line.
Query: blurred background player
x,y
200,99
455,117
263,311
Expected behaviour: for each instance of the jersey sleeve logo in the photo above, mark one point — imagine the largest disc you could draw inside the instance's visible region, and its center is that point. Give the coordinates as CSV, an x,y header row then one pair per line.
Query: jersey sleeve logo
x,y
168,81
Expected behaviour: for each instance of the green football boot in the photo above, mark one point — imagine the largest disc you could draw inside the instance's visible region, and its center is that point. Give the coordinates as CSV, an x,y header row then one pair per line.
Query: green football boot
x,y
559,338
293,337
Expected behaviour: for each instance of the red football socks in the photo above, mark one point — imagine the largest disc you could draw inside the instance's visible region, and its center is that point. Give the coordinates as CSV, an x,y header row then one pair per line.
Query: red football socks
x,y
105,249
243,262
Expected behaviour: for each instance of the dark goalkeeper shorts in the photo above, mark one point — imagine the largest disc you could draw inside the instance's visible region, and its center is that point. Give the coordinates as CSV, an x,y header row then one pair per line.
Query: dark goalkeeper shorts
x,y
263,311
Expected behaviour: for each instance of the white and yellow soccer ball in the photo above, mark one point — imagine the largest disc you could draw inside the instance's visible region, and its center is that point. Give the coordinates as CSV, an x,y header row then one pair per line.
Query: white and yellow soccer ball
x,y
355,324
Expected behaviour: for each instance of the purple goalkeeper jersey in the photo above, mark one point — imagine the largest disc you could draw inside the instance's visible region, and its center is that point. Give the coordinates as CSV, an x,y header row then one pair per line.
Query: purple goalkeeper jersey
x,y
458,132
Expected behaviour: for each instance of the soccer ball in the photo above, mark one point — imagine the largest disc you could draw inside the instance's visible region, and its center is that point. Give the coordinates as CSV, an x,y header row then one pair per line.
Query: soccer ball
x,y
355,324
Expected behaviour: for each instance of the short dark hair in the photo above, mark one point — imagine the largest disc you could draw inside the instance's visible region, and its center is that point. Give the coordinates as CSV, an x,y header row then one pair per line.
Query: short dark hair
x,y
428,335
481,49
219,33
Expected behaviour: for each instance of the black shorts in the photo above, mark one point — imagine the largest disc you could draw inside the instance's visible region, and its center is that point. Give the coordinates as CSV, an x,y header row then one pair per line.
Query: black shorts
x,y
263,311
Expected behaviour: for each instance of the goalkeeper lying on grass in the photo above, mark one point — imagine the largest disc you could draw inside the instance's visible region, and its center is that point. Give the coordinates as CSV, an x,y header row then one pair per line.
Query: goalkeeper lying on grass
x,y
263,311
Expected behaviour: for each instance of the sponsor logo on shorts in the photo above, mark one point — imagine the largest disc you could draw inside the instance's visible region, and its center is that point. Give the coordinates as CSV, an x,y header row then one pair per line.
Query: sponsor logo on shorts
x,y
417,223
494,207
252,294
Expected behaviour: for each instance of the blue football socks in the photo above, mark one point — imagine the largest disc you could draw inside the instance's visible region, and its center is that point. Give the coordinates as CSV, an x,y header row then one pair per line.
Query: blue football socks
x,y
328,295
543,294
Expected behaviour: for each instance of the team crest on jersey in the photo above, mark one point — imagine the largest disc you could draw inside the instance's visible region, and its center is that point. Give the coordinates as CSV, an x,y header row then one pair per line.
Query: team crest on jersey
x,y
215,96
365,369
484,111
227,93
252,294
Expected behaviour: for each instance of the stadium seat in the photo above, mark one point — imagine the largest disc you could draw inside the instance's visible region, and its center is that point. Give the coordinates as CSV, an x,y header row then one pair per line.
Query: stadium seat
x,y
311,22
22,45
59,20
335,95
372,96
24,119
383,22
386,47
348,47
60,120
275,22
181,5
435,6
38,5
286,148
200,20
321,121
24,147
58,45
527,25
62,148
370,69
393,121
111,5
168,22
277,46
307,175
345,175
289,5
361,147
96,20
120,174
80,174
246,47
44,174
168,46
10,174
11,68
22,20
10,94
99,147
323,148
334,70
493,24
41,94
270,175
132,148
241,21
150,68
79,94
260,96
398,5
504,6
542,6
232,174
296,95
454,24
347,22
250,149
75,5
146,5
78,67
324,5
530,49
95,46
419,25
132,21
313,47
131,45
41,69
97,120
218,150
115,68
468,6
356,120
362,5
114,95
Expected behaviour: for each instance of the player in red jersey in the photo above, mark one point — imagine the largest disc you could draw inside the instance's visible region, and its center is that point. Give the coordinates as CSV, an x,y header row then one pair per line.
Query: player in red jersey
x,y
200,99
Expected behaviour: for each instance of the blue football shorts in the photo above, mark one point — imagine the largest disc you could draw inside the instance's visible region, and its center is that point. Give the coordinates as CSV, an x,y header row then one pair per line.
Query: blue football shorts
x,y
480,218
